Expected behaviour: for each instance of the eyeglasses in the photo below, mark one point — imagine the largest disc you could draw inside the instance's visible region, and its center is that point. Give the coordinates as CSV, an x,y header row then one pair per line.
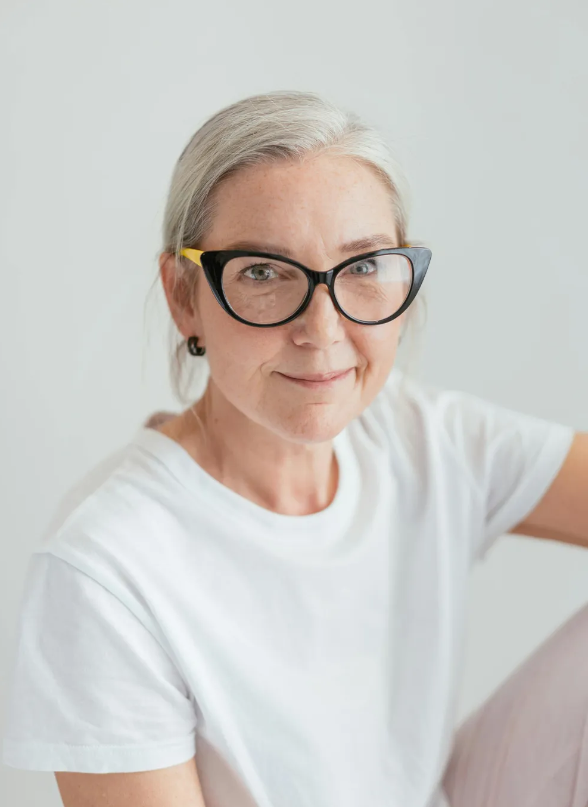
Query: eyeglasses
x,y
264,290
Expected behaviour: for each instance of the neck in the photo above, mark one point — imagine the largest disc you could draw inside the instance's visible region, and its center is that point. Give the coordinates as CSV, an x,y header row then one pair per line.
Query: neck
x,y
274,472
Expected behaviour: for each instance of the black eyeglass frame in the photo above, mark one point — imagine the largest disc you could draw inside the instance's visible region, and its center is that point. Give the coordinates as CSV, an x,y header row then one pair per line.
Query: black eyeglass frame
x,y
213,263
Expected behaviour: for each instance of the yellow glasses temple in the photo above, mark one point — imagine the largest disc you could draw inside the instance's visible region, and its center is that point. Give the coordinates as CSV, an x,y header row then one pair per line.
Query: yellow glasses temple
x,y
192,254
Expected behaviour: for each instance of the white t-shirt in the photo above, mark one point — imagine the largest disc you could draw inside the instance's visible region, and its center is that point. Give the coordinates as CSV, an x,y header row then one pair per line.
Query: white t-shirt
x,y
307,661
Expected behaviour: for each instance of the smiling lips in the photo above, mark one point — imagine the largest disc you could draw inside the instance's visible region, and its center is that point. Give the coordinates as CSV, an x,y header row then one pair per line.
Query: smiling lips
x,y
318,376
319,381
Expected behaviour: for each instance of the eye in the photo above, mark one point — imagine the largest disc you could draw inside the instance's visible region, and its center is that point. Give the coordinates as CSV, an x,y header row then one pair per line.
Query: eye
x,y
364,267
258,267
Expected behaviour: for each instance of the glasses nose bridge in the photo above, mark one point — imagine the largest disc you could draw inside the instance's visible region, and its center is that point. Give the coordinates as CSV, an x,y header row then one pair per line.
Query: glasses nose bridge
x,y
318,278
321,277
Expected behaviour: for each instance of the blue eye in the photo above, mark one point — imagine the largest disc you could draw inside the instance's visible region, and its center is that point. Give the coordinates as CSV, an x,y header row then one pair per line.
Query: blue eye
x,y
263,266
370,264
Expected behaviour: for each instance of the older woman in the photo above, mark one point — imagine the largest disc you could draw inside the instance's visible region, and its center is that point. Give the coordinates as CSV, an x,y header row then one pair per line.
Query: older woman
x,y
261,601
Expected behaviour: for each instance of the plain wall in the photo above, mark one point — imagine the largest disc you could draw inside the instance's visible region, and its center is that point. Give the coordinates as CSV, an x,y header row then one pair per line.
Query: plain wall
x,y
485,106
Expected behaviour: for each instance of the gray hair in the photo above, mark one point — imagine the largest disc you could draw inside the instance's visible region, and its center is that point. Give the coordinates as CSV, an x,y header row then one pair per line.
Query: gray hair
x,y
271,127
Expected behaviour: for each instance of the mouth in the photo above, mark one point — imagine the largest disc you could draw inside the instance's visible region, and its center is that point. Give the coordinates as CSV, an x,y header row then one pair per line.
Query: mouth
x,y
319,381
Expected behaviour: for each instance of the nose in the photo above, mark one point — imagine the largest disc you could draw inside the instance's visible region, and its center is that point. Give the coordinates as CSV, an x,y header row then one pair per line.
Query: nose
x,y
320,323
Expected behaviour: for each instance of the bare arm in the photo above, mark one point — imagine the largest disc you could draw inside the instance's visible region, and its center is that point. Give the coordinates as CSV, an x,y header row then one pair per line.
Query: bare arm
x,y
166,787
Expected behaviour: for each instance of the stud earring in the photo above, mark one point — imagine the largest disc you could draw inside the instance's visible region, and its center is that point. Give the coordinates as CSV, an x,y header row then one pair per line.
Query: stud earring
x,y
193,347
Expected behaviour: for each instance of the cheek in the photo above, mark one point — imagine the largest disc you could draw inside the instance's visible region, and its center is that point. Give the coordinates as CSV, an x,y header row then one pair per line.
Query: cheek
x,y
237,353
378,343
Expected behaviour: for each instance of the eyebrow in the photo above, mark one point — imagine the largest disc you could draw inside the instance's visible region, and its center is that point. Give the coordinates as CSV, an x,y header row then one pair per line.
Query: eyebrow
x,y
377,241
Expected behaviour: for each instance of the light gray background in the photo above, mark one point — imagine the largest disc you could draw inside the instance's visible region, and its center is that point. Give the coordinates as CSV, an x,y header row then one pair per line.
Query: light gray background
x,y
485,105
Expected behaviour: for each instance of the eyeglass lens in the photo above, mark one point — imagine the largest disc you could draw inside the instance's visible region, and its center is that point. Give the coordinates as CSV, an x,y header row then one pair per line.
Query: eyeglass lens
x,y
265,291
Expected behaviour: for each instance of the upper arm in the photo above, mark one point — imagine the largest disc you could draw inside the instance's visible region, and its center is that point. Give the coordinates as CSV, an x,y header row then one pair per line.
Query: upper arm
x,y
562,513
94,690
166,787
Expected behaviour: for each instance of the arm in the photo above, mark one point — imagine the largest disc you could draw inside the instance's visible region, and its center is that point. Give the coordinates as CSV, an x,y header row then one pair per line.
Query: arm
x,y
166,787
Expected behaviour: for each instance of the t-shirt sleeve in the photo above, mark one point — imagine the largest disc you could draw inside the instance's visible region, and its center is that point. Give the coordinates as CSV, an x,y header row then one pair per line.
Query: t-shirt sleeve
x,y
92,689
512,457
506,459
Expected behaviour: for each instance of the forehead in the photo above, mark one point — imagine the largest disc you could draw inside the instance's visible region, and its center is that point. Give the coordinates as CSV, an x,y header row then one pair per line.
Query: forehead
x,y
325,201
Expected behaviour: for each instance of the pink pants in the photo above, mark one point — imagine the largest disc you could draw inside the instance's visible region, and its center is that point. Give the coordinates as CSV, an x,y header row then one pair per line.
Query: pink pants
x,y
527,744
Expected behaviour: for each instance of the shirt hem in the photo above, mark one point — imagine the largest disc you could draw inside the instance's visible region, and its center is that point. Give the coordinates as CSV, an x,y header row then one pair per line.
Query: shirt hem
x,y
39,756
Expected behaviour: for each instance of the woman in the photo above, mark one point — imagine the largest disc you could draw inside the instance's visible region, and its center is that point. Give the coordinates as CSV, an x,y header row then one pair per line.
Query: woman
x,y
260,602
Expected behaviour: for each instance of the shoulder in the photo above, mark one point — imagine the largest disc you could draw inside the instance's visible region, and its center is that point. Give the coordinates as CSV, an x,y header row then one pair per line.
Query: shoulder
x,y
417,417
113,516
438,429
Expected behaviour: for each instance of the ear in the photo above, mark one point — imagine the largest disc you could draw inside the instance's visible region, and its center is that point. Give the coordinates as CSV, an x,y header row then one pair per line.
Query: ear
x,y
180,291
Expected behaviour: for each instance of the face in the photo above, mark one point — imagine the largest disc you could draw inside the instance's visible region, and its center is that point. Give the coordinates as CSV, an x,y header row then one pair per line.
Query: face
x,y
310,209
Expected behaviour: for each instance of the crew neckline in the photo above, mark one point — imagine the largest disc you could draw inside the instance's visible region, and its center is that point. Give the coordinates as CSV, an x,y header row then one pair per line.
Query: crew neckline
x,y
199,483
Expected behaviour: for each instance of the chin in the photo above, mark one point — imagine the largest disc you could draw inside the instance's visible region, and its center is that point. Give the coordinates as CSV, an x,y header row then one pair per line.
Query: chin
x,y
319,427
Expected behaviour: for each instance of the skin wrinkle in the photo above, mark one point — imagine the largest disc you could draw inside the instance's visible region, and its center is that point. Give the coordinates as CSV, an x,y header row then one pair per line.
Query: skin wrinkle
x,y
267,438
